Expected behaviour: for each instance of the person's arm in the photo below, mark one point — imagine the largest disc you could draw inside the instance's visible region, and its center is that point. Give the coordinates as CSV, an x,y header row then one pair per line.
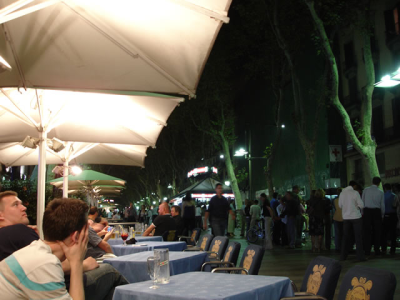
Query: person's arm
x,y
75,253
88,264
105,247
108,235
232,214
149,230
360,203
206,215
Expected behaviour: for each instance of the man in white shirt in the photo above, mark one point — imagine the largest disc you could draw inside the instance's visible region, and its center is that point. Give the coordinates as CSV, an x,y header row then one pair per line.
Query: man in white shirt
x,y
255,213
350,203
374,212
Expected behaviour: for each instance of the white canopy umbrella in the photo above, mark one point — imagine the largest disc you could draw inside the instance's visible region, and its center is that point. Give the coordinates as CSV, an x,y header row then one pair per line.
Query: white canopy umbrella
x,y
80,117
131,45
14,154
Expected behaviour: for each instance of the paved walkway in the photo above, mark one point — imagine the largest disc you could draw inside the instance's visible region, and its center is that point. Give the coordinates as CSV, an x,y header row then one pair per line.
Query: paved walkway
x,y
292,263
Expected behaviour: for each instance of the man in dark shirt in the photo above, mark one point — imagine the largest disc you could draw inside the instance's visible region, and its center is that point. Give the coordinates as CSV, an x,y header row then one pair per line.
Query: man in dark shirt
x,y
176,215
218,210
292,210
162,223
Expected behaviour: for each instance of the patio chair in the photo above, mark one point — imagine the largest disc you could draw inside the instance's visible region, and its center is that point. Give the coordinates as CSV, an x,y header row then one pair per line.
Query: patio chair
x,y
250,262
169,236
363,283
320,279
229,260
203,244
191,240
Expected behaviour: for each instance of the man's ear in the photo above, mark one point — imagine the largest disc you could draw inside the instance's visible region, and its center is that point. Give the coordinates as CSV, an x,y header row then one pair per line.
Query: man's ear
x,y
2,218
74,237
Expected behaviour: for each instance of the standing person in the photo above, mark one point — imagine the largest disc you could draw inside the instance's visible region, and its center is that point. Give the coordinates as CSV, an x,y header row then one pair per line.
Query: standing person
x,y
292,210
231,222
188,213
277,222
374,211
327,223
255,213
132,213
338,222
350,202
268,216
316,213
283,234
299,217
218,210
247,215
390,219
199,219
142,214
149,216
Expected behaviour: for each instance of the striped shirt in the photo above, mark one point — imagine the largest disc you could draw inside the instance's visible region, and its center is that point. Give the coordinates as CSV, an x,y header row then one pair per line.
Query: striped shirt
x,y
32,272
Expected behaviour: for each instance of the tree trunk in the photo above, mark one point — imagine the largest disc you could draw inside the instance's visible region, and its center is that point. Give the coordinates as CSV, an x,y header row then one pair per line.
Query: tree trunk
x,y
231,172
363,144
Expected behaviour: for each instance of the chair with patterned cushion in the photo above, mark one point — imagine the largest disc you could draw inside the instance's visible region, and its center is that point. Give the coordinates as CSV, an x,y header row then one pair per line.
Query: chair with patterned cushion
x,y
364,283
229,260
320,279
203,243
250,262
191,240
218,247
169,236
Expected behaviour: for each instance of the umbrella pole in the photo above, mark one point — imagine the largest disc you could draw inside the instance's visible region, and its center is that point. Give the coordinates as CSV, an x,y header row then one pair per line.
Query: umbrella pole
x,y
65,180
41,181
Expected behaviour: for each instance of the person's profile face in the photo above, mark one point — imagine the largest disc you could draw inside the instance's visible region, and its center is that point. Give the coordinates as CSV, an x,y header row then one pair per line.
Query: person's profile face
x,y
174,212
13,211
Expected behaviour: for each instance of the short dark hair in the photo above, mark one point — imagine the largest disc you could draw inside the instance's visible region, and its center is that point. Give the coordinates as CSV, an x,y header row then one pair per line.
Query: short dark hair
x,y
376,180
255,201
387,186
218,184
275,195
263,195
353,183
177,208
63,217
93,210
6,194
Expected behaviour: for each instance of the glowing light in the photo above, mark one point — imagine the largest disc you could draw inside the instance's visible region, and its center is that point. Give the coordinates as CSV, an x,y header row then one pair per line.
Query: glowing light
x,y
240,152
221,156
283,125
228,183
76,170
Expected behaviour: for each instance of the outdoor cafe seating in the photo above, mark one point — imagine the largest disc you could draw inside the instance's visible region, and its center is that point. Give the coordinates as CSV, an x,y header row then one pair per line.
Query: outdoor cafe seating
x,y
229,260
203,244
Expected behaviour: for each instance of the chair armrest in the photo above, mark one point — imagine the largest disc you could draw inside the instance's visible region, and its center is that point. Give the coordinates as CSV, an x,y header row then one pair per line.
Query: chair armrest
x,y
299,294
193,249
184,237
219,263
230,270
311,297
210,254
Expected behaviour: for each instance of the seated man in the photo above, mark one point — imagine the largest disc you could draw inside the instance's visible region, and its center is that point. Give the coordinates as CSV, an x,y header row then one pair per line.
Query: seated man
x,y
15,233
162,223
176,215
65,236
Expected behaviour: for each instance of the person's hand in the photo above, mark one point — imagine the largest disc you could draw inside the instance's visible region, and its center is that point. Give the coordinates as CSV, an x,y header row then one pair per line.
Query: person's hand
x,y
76,250
34,227
205,226
104,231
108,233
90,264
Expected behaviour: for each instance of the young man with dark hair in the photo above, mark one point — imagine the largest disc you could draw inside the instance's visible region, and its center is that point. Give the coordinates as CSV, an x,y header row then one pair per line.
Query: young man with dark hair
x,y
176,215
99,281
218,210
374,211
66,232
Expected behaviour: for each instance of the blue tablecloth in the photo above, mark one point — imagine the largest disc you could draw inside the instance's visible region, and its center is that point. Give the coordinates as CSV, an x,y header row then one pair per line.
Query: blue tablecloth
x,y
120,250
140,239
134,266
208,286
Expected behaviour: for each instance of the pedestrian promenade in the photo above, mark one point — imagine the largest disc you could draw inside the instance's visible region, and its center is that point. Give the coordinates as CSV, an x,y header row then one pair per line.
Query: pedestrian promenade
x,y
292,263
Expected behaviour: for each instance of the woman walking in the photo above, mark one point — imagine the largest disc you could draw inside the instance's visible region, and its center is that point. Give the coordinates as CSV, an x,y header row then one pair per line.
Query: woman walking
x,y
316,212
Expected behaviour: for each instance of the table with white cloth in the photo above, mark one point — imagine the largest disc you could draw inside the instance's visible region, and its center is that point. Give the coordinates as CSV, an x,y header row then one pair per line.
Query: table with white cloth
x,y
120,250
206,286
139,239
134,266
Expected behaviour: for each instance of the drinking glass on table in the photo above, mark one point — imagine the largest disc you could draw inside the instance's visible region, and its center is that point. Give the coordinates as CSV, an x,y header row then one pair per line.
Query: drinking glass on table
x,y
124,235
153,268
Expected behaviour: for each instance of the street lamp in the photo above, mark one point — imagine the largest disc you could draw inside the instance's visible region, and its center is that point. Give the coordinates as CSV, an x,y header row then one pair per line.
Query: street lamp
x,y
388,81
227,183
221,156
240,152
